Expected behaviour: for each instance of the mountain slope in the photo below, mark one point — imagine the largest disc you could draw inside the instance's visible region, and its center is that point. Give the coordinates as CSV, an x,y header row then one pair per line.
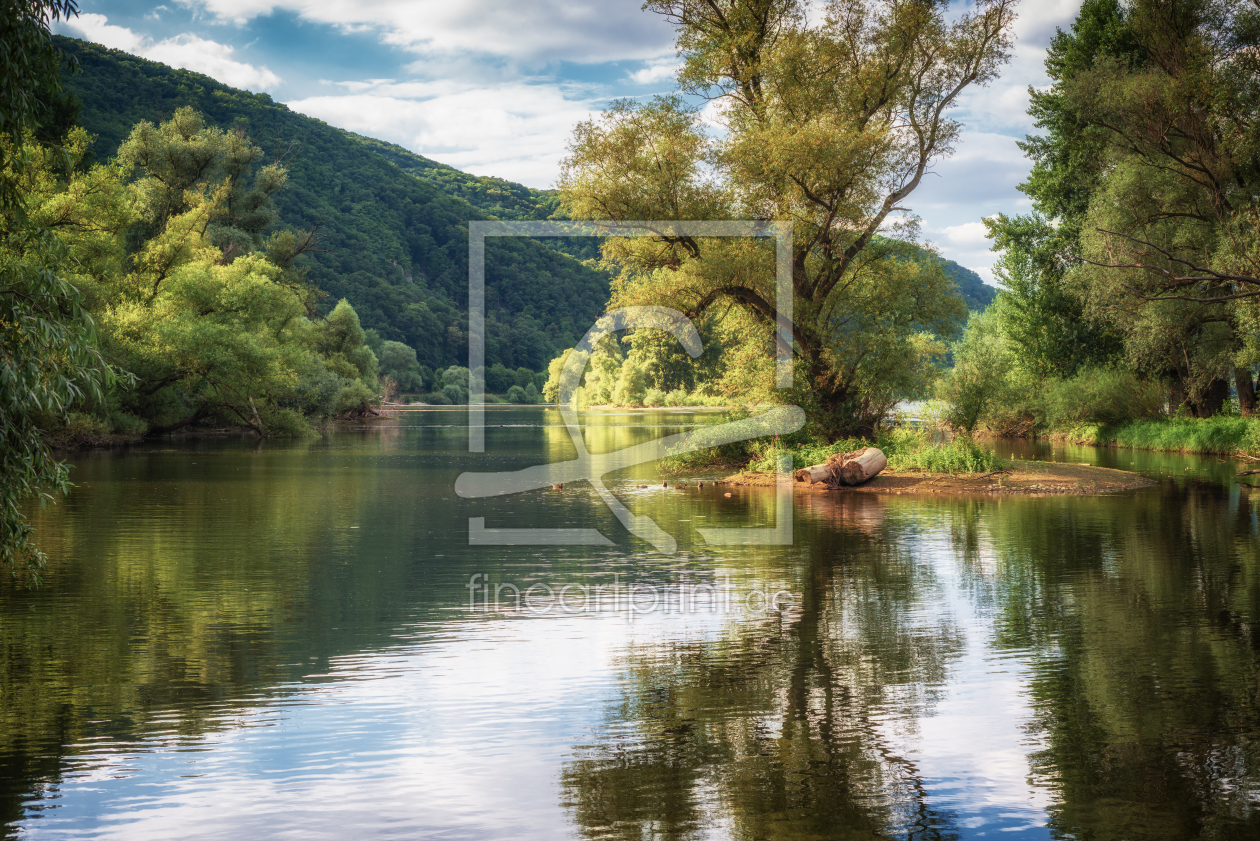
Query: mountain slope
x,y
973,290
396,247
393,223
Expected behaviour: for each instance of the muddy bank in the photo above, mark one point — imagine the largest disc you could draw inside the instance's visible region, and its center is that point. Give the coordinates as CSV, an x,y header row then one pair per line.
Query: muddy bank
x,y
1024,478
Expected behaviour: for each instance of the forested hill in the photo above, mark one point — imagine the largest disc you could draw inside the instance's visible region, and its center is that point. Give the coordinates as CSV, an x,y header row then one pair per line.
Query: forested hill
x,y
393,224
974,291
396,247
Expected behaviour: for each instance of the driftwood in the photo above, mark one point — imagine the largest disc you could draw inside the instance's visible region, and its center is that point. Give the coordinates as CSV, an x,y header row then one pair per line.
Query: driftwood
x,y
845,468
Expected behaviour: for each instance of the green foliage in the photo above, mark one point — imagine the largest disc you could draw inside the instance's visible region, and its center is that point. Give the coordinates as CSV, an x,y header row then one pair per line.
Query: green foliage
x,y
393,241
906,447
976,294
48,364
399,362
516,394
977,381
818,149
29,81
1223,435
499,378
1098,396
912,449
1145,232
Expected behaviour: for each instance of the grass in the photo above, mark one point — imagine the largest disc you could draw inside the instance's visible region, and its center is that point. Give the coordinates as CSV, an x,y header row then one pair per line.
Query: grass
x,y
1224,435
905,447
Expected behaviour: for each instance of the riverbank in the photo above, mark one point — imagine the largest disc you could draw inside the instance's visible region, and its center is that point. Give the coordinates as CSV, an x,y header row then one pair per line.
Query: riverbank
x,y
1228,436
1020,478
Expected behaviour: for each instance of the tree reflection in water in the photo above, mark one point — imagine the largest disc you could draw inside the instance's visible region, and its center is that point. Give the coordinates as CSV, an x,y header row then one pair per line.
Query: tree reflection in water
x,y
776,729
1136,616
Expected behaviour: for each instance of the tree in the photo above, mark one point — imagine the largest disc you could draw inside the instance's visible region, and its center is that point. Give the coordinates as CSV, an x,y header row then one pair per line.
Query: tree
x,y
1149,173
48,360
829,125
210,336
398,361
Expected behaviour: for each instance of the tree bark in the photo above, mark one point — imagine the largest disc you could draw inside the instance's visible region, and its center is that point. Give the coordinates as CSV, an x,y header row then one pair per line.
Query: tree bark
x,y
864,467
845,468
1214,397
1246,389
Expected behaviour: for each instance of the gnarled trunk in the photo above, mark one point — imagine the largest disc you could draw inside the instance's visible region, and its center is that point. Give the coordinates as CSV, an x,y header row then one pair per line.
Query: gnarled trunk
x,y
1246,387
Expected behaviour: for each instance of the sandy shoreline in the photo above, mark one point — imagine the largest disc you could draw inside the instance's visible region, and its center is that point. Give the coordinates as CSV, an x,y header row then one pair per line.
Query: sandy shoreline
x,y
1022,478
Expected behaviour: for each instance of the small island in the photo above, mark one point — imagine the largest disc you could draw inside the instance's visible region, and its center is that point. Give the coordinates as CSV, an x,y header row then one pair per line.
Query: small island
x,y
1022,478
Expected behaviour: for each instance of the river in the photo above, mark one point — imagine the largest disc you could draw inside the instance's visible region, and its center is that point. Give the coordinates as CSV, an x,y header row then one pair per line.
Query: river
x,y
295,640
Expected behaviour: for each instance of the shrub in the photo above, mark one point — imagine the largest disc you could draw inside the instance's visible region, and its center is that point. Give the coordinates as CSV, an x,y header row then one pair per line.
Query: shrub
x,y
631,385
516,394
287,423
531,393
1099,396
677,397
499,378
354,397
437,398
455,393
654,397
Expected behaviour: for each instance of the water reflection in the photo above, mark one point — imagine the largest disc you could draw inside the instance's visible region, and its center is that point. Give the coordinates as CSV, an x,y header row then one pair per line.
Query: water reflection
x,y
239,642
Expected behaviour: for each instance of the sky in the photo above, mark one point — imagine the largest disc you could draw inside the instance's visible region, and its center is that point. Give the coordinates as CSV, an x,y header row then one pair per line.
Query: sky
x,y
494,87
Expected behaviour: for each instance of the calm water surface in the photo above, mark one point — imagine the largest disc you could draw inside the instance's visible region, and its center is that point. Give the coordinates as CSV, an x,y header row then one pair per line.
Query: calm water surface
x,y
240,641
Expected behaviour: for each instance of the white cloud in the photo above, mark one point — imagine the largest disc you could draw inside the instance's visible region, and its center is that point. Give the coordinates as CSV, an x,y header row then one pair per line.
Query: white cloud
x,y
516,130
966,244
537,32
1003,105
660,70
186,51
980,178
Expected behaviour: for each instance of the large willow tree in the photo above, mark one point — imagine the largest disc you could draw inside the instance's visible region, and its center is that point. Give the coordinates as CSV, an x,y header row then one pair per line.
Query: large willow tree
x,y
829,120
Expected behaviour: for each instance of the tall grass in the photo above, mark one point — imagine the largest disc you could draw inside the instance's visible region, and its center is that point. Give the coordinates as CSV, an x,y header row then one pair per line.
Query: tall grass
x,y
1222,434
907,448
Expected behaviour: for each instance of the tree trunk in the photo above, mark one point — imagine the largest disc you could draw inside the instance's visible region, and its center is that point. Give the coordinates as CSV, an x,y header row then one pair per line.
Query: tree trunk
x,y
845,468
864,467
1214,397
1246,389
816,473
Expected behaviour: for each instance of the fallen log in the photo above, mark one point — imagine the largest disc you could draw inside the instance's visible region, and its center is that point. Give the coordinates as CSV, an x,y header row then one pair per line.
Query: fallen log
x,y
845,468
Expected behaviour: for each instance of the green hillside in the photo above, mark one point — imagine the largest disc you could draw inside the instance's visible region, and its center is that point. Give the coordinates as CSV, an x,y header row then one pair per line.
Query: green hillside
x,y
974,291
397,248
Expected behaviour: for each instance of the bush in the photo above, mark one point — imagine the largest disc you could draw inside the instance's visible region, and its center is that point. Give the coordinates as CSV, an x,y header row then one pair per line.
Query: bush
x,y
977,381
677,397
125,423
499,378
531,393
1098,396
455,393
631,385
516,394
437,398
354,397
654,397
910,449
287,423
